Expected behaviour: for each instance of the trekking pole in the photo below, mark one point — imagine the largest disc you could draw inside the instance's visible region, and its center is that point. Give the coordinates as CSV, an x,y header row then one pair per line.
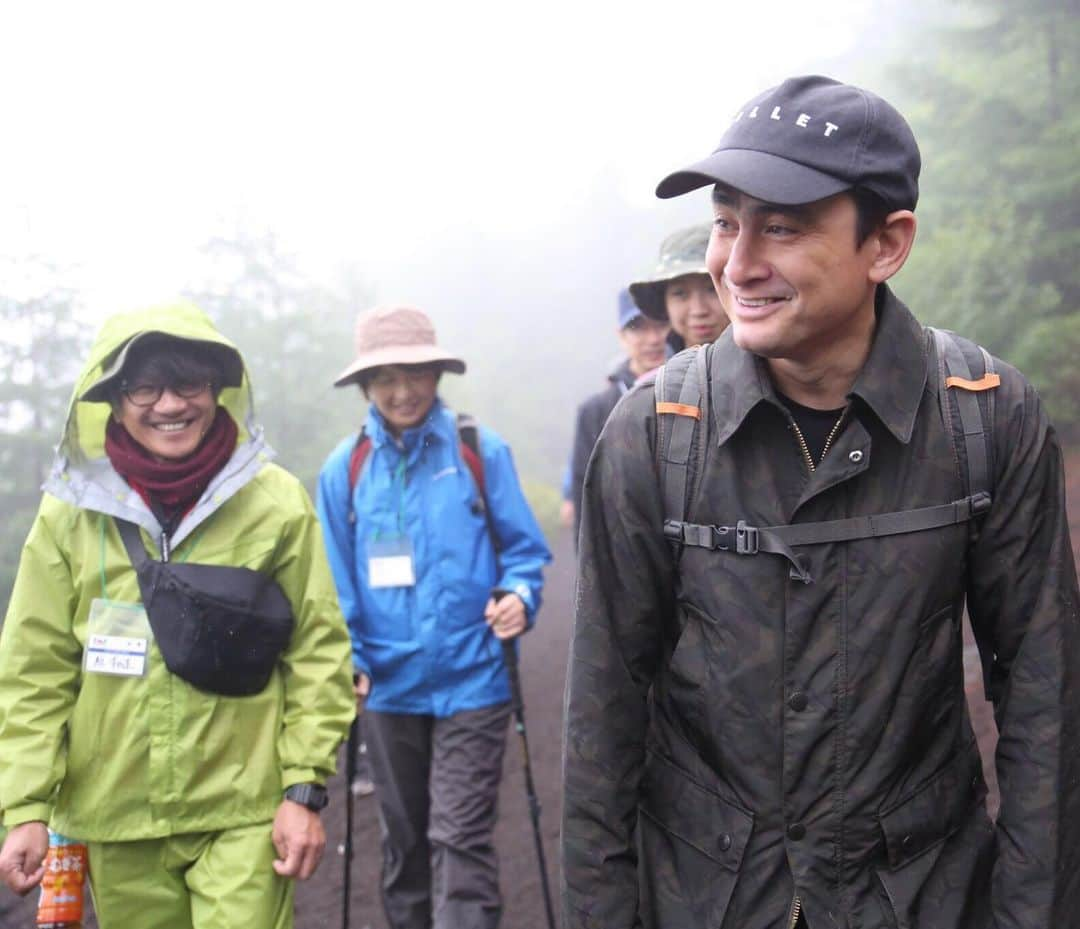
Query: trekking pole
x,y
351,749
511,661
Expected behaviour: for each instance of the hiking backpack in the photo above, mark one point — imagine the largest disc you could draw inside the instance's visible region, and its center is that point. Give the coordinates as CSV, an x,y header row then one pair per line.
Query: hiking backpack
x,y
468,431
683,414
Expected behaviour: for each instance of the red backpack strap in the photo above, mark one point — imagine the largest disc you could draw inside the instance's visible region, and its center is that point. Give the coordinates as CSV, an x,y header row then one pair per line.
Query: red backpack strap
x,y
468,437
469,441
360,451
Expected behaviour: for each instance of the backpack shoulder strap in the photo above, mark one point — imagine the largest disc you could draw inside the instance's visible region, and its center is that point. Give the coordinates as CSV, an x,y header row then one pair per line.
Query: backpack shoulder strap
x,y
967,380
357,459
966,376
682,417
469,444
359,455
469,437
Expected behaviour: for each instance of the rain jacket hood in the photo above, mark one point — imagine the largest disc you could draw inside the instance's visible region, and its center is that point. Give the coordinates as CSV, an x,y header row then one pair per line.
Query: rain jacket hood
x,y
84,432
82,475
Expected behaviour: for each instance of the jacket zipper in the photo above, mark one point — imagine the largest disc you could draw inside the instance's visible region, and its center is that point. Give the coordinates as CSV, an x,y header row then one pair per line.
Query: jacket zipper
x,y
796,910
805,449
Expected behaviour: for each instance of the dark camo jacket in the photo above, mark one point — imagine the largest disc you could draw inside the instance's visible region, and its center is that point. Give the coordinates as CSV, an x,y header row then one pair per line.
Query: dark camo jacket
x,y
736,739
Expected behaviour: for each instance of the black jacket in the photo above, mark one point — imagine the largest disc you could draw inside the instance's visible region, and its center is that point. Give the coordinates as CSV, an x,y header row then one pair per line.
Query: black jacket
x,y
736,739
591,416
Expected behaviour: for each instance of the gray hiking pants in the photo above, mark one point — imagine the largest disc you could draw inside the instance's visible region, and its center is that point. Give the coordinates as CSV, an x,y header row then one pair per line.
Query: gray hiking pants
x,y
437,788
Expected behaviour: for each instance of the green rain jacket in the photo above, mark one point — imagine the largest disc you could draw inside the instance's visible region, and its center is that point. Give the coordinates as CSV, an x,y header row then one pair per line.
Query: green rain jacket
x,y
106,758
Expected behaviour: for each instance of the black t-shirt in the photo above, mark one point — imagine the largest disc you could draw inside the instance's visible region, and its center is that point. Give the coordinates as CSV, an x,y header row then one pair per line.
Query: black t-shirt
x,y
815,425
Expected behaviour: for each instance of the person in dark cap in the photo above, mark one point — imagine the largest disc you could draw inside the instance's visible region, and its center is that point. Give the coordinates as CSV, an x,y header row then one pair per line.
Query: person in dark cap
x,y
766,723
643,340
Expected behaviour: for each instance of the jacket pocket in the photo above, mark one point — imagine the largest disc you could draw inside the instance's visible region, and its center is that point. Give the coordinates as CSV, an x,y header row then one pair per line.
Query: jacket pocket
x,y
915,829
691,844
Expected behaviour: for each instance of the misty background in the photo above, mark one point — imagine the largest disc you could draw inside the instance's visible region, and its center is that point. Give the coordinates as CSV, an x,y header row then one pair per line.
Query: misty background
x,y
493,164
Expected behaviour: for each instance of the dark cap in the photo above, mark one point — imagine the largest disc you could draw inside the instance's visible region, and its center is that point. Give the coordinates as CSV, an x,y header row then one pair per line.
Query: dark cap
x,y
627,310
809,138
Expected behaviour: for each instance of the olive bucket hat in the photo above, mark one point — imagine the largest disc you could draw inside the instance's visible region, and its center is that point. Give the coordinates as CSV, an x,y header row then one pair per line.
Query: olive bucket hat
x,y
396,335
681,253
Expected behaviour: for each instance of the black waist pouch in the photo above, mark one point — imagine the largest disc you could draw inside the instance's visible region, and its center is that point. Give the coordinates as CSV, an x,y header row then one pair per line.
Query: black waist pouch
x,y
221,629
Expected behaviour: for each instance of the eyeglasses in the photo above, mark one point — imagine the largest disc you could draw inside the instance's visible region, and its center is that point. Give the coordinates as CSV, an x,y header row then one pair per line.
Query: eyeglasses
x,y
413,376
149,394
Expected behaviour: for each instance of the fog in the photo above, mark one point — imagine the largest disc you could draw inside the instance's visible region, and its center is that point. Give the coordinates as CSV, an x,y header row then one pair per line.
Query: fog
x,y
424,144
492,163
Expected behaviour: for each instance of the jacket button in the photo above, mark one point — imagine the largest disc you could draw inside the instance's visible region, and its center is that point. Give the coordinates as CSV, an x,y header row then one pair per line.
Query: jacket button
x,y
725,842
905,842
796,832
797,701
855,456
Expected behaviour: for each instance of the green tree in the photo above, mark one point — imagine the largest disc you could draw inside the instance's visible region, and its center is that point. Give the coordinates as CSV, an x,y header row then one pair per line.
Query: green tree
x,y
993,94
40,353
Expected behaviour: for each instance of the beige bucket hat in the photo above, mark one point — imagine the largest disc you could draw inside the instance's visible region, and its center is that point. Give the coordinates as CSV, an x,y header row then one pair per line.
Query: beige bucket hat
x,y
395,335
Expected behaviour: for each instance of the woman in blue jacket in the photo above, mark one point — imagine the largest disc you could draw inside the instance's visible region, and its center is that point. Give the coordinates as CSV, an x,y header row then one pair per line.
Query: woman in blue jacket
x,y
436,556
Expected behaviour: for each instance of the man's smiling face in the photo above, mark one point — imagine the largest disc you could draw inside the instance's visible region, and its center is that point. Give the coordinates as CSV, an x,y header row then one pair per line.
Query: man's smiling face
x,y
791,278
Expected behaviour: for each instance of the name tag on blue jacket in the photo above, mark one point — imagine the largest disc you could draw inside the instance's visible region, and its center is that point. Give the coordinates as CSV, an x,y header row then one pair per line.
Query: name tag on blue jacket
x,y
390,563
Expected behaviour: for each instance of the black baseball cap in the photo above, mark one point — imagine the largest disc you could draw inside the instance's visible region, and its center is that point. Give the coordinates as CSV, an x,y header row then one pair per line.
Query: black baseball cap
x,y
809,138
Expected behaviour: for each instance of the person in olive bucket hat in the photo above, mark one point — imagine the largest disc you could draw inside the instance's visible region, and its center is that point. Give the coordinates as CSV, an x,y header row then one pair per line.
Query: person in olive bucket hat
x,y
766,720
437,558
678,289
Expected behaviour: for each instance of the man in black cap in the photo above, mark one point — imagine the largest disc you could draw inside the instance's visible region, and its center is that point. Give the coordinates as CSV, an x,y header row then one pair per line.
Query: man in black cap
x,y
766,722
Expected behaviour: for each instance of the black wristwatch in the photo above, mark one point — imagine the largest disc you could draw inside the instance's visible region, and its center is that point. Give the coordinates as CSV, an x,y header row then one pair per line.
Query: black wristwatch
x,y
313,796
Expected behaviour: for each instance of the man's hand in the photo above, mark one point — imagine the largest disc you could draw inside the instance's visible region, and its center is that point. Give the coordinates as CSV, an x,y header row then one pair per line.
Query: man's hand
x,y
361,687
299,840
506,616
23,855
566,514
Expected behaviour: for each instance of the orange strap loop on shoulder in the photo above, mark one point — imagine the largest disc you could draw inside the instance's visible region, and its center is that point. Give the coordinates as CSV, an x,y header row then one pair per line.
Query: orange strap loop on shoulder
x,y
679,409
986,382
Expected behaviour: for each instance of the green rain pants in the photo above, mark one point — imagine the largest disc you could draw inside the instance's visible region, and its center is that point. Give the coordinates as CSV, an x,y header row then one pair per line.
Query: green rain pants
x,y
204,880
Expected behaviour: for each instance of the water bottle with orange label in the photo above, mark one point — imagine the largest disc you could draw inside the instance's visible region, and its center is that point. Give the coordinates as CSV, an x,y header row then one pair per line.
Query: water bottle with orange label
x,y
61,902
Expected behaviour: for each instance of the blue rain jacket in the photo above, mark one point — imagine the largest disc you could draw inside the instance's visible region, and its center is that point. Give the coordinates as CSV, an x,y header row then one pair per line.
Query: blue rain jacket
x,y
426,647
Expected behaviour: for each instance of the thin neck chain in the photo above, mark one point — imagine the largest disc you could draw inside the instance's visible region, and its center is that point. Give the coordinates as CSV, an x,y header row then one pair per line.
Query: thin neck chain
x,y
828,441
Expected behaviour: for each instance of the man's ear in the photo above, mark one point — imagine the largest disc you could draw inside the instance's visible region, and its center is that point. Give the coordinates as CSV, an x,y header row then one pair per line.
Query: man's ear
x,y
892,242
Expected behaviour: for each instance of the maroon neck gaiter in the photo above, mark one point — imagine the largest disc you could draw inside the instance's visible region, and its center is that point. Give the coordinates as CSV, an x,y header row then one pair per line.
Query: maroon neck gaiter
x,y
172,486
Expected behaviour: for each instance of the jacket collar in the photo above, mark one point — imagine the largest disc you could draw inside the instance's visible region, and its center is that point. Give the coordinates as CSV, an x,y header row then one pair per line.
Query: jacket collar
x,y
891,382
95,485
433,425
622,376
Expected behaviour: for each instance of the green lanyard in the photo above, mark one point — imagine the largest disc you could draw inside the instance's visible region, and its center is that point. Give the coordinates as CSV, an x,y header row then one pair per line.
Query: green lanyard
x,y
400,483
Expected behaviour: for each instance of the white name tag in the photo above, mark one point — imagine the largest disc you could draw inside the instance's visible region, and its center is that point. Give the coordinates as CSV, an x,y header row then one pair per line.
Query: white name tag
x,y
118,639
391,571
390,563
113,654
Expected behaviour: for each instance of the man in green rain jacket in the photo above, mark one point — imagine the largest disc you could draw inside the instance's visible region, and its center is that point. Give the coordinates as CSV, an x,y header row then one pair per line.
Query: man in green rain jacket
x,y
179,793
